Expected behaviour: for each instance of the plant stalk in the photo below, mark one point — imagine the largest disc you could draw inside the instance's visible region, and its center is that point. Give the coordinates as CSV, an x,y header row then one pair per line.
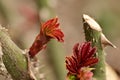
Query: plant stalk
x,y
93,33
14,60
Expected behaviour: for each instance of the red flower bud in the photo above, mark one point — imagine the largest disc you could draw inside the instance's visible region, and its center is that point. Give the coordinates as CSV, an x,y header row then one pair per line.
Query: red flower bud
x,y
49,30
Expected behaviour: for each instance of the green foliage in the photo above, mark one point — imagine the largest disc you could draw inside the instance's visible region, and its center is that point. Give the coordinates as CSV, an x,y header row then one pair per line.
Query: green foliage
x,y
72,77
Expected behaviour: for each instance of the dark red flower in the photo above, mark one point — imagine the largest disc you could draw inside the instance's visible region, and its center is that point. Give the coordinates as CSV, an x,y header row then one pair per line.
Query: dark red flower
x,y
83,56
49,30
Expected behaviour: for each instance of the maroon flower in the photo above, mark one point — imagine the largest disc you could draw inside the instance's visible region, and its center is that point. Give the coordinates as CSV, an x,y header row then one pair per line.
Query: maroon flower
x,y
83,56
49,30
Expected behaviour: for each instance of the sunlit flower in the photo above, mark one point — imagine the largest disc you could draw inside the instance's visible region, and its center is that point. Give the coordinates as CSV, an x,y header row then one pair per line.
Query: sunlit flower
x,y
49,30
83,56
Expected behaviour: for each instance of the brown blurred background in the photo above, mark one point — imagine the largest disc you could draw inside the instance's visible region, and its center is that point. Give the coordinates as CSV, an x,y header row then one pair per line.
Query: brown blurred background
x,y
21,17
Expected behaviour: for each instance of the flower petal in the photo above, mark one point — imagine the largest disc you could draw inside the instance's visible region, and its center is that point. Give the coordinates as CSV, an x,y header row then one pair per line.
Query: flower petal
x,y
90,62
91,53
57,34
85,50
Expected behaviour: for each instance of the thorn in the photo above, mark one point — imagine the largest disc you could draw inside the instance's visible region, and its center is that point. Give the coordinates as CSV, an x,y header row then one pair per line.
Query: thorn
x,y
106,42
92,23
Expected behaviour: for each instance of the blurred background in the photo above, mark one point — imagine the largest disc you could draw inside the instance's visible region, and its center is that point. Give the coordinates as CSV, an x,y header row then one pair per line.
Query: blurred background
x,y
22,18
